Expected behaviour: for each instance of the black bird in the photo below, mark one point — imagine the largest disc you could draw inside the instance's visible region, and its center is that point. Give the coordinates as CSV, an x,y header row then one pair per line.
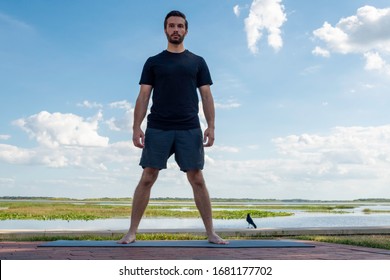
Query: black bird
x,y
250,221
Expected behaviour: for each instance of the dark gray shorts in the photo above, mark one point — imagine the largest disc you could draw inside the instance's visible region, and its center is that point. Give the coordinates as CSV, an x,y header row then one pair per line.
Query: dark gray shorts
x,y
187,145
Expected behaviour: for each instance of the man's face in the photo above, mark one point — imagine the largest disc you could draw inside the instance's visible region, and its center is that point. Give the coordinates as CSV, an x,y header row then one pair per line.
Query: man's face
x,y
175,30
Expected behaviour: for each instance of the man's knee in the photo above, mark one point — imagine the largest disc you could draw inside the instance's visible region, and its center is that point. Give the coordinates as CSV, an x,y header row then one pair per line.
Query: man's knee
x,y
149,176
195,177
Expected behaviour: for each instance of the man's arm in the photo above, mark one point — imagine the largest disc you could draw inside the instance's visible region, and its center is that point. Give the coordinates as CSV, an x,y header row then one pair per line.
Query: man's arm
x,y
209,113
141,107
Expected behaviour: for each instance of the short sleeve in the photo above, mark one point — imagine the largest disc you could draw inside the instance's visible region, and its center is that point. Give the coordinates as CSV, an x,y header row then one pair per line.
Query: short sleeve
x,y
203,77
147,76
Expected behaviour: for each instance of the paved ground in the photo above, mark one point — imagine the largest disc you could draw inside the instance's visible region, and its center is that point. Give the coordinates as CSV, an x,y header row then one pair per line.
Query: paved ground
x,y
321,251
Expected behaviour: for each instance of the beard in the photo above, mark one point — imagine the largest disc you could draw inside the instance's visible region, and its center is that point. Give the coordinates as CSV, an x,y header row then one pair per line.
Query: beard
x,y
175,40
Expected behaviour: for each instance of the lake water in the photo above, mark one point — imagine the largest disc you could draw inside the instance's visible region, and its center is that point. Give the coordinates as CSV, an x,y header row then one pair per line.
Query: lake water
x,y
355,218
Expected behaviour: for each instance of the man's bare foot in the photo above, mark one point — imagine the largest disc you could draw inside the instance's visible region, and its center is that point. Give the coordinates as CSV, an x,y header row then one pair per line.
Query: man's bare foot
x,y
215,239
127,239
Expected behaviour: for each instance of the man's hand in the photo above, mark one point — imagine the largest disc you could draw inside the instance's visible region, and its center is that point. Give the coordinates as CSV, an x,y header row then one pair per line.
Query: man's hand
x,y
138,138
209,137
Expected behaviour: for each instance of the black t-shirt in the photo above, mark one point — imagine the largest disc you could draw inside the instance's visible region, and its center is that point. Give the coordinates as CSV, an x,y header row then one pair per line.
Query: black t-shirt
x,y
175,78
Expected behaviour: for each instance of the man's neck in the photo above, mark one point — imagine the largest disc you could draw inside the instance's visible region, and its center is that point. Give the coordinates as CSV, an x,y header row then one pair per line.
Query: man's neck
x,y
175,48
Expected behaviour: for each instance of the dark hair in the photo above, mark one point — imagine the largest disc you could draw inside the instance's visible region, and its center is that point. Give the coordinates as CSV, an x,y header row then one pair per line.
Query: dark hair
x,y
175,14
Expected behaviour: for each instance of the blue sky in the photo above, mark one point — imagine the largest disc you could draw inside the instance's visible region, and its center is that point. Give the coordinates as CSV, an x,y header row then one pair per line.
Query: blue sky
x,y
301,88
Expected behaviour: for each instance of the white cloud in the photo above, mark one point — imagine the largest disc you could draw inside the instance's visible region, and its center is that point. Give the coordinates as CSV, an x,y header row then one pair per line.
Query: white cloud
x,y
90,105
230,104
57,129
236,10
125,122
92,158
321,52
265,15
375,62
348,163
223,149
121,105
14,155
64,140
366,33
349,147
4,137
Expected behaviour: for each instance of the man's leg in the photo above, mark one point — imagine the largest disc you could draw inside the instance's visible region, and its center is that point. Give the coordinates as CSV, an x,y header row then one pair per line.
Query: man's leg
x,y
202,201
140,201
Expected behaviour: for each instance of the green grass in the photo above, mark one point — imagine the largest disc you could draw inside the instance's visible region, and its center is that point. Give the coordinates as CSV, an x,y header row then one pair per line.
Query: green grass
x,y
371,241
141,236
63,211
91,211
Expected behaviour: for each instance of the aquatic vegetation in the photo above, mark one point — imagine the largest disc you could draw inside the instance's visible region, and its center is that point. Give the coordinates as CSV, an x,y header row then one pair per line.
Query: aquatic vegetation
x,y
371,211
90,211
62,211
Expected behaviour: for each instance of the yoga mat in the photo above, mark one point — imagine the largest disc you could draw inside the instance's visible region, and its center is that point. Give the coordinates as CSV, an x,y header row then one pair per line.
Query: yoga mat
x,y
180,243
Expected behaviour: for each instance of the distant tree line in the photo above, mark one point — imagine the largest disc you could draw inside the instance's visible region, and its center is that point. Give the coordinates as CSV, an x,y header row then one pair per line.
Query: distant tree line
x,y
297,200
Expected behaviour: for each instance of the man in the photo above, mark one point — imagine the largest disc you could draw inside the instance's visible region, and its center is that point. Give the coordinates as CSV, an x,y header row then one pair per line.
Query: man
x,y
173,125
